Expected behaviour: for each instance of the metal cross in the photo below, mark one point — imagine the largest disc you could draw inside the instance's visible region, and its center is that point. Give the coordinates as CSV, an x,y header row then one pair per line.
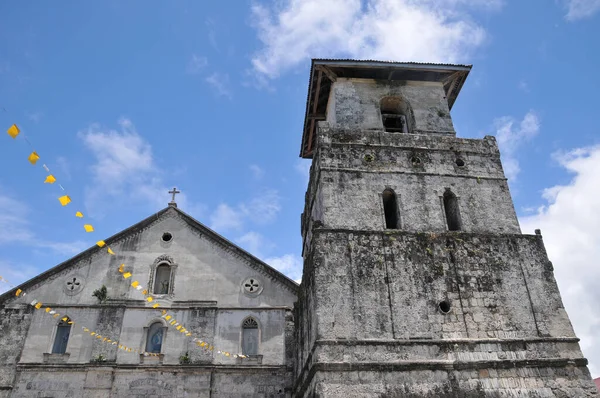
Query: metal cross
x,y
174,192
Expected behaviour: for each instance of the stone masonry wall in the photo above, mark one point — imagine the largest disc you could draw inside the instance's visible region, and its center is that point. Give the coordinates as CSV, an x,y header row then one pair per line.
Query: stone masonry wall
x,y
355,103
177,382
377,302
14,322
352,168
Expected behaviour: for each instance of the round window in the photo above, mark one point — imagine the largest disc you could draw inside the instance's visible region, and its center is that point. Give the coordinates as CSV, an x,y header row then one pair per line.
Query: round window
x,y
252,286
166,237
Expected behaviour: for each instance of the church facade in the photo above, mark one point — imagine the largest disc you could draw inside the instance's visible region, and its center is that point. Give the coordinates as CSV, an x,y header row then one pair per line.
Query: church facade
x,y
417,280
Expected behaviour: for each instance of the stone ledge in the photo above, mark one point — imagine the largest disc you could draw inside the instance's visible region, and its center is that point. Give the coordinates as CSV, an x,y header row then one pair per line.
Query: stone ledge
x,y
84,367
303,381
448,365
349,342
411,172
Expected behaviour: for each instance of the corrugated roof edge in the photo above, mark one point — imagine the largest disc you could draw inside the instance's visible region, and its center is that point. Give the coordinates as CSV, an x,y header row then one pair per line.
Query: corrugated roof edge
x,y
387,62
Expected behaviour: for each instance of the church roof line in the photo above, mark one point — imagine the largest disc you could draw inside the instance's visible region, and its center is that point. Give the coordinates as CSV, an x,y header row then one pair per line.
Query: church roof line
x,y
139,227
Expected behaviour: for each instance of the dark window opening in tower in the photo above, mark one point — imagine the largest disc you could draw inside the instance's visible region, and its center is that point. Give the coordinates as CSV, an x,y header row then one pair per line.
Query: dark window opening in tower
x,y
393,115
451,210
390,209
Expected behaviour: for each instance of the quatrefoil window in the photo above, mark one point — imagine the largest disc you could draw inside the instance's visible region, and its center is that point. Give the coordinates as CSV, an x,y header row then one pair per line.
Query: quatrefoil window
x,y
252,286
73,285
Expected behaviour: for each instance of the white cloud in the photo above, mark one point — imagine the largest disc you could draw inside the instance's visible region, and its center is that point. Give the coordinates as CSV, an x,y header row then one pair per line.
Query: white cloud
x,y
196,64
14,220
255,243
580,9
303,167
220,84
225,218
63,165
257,171
124,170
35,116
288,264
511,135
261,209
264,208
293,31
212,33
14,274
524,86
570,221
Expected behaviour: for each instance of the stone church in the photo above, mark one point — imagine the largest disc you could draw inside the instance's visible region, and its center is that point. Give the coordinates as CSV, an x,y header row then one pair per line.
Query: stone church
x,y
417,281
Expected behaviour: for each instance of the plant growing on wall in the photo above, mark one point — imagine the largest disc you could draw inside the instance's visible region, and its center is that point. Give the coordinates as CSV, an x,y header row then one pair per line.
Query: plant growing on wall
x,y
101,294
99,358
185,359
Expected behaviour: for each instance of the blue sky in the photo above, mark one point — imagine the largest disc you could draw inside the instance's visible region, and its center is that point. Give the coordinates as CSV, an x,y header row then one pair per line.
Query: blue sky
x,y
124,100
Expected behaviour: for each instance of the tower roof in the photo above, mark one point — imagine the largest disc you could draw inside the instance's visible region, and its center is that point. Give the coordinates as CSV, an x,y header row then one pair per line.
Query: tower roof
x,y
324,72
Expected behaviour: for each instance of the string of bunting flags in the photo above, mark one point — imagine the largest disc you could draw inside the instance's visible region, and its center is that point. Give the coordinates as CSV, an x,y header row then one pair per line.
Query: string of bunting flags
x,y
33,158
38,305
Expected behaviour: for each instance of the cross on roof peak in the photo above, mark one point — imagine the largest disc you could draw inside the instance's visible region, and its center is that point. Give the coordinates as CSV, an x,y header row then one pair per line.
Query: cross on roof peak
x,y
173,192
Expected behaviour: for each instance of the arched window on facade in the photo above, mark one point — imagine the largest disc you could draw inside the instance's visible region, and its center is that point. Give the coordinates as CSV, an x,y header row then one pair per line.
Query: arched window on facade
x,y
162,279
63,330
154,339
451,210
390,209
395,115
250,337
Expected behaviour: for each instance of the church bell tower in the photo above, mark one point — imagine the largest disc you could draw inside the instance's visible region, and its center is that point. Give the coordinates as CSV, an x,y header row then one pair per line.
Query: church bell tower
x,y
417,280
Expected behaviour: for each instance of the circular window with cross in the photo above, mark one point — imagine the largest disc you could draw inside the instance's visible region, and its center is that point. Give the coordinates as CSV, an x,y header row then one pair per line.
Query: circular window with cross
x,y
252,286
74,284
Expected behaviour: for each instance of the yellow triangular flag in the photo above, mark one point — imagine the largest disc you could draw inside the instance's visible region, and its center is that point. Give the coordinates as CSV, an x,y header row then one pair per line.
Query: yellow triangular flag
x,y
33,158
127,275
64,200
50,179
38,306
18,292
88,228
149,299
13,131
79,214
135,283
156,305
110,251
121,268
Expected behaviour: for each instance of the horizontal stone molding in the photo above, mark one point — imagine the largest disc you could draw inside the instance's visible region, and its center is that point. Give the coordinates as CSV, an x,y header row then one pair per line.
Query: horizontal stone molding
x,y
303,381
412,172
438,342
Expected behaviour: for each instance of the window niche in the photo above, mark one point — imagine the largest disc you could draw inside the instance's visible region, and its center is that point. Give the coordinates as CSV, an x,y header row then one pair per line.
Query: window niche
x,y
250,335
155,334
58,353
451,211
395,115
61,338
390,209
162,276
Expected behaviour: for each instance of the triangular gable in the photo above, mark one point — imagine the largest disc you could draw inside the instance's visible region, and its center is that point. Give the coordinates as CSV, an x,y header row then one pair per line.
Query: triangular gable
x,y
196,225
